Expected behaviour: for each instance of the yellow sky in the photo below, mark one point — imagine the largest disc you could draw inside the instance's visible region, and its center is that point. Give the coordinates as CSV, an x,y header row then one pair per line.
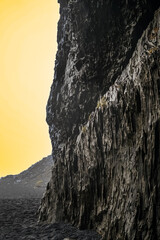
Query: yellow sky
x,y
28,31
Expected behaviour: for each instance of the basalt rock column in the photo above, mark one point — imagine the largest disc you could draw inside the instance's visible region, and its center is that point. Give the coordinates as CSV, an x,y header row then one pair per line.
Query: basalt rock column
x,y
103,116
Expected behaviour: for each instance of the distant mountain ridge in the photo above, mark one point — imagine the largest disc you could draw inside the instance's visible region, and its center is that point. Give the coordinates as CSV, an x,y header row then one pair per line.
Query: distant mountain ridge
x,y
30,183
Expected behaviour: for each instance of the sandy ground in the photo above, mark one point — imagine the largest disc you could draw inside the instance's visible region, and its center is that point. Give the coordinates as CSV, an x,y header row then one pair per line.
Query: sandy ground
x,y
18,220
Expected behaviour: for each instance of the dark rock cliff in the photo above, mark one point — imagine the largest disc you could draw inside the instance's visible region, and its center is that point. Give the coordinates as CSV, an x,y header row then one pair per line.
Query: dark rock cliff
x,y
104,119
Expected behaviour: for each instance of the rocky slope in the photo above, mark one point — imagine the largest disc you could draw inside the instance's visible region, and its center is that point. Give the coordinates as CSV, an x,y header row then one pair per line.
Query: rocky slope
x,y
104,119
28,184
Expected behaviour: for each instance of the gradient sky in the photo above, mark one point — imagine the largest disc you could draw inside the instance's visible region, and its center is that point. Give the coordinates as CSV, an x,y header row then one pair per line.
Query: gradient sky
x,y
28,31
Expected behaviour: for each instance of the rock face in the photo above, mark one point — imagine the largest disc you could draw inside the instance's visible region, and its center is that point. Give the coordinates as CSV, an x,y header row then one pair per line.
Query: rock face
x,y
104,119
30,183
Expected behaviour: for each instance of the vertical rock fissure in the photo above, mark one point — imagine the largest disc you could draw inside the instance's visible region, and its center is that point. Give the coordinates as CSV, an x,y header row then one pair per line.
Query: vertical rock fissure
x,y
103,115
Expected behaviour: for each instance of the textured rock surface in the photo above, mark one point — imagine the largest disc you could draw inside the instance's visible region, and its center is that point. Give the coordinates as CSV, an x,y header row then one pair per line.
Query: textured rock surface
x,y
18,220
104,119
30,183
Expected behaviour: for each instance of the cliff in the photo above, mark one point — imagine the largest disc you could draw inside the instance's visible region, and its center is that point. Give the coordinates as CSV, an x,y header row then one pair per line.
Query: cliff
x,y
104,119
